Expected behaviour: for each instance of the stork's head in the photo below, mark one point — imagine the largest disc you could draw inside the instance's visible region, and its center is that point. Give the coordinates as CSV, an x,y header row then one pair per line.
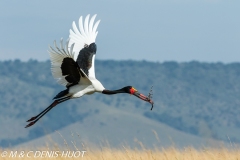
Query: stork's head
x,y
131,90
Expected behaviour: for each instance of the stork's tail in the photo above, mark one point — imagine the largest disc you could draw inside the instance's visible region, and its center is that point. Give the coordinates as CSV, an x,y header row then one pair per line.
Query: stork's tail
x,y
61,94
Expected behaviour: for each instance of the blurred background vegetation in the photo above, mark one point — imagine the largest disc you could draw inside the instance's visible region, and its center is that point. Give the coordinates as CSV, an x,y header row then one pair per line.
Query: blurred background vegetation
x,y
201,99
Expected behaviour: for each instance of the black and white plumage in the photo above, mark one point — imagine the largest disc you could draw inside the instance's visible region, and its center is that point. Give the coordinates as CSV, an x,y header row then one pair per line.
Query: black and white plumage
x,y
73,66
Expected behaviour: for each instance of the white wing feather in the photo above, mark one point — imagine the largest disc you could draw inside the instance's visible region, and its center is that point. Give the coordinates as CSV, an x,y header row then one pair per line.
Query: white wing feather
x,y
86,34
57,55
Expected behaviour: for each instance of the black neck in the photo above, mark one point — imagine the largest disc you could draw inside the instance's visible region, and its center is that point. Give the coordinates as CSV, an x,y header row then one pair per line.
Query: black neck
x,y
113,91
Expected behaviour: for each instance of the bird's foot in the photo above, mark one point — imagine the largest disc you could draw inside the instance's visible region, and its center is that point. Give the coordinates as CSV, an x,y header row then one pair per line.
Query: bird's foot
x,y
30,124
31,119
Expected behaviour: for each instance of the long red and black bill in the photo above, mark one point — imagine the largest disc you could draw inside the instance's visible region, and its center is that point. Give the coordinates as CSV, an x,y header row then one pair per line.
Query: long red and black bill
x,y
143,97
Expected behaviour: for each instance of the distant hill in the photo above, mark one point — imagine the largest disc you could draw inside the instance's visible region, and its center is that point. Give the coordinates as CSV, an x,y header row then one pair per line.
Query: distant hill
x,y
117,127
201,99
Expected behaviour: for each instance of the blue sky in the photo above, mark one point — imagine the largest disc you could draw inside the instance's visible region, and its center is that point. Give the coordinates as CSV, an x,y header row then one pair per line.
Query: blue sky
x,y
154,30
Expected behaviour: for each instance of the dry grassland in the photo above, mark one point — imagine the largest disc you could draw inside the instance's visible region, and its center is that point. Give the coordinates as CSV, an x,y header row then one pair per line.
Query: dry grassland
x,y
106,152
126,154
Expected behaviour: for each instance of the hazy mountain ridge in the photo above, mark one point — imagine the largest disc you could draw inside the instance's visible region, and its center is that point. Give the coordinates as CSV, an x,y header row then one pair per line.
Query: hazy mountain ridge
x,y
197,98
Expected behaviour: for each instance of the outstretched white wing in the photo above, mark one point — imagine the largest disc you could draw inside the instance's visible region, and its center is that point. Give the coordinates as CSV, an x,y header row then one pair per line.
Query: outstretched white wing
x,y
83,35
62,60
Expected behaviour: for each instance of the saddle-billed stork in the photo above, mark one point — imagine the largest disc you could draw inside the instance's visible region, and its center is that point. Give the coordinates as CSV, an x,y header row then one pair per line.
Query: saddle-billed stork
x,y
72,65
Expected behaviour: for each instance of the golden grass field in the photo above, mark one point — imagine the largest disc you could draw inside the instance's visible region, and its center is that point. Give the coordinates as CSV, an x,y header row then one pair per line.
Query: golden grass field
x,y
106,152
127,154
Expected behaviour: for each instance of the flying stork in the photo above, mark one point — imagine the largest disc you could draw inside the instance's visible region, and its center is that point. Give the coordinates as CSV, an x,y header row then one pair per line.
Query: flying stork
x,y
72,65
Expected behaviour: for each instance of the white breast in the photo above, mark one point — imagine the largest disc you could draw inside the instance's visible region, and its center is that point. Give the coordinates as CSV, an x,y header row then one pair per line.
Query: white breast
x,y
80,90
97,85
